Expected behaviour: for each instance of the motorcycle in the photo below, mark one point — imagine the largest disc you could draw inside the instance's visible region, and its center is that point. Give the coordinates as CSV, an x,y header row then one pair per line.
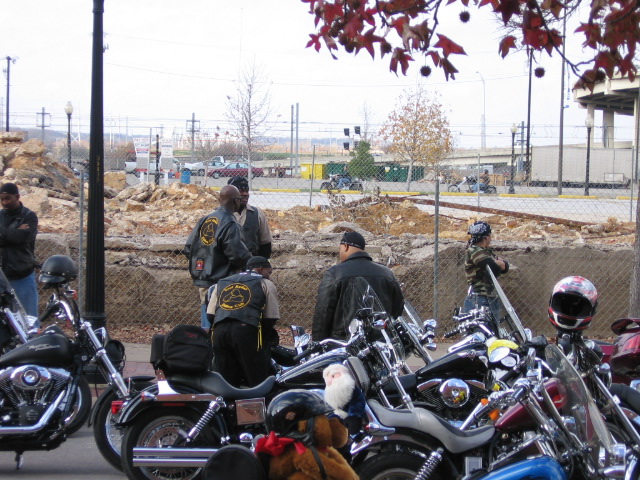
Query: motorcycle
x,y
625,354
44,392
170,430
470,181
332,184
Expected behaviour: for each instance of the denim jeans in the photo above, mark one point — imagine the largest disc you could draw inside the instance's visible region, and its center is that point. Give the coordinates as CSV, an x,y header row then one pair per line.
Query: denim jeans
x,y
27,292
475,301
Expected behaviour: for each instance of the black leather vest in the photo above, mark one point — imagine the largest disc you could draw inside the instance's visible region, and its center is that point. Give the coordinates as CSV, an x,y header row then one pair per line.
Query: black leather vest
x,y
241,297
250,231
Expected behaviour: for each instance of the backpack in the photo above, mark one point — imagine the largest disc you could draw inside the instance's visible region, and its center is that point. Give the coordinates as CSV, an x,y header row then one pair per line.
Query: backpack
x,y
185,349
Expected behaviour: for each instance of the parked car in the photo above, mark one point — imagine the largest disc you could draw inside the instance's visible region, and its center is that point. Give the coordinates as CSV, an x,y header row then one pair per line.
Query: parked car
x,y
199,168
235,170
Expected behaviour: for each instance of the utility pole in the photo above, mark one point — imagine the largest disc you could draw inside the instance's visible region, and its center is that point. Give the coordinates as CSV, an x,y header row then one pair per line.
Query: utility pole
x,y
297,138
291,144
8,72
43,120
193,130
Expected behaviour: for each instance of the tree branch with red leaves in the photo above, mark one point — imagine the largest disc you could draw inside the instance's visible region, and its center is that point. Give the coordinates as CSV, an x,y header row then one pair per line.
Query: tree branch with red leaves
x,y
407,28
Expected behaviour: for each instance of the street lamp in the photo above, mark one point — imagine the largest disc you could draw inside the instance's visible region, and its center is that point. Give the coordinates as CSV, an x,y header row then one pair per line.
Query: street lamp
x,y
588,122
68,109
514,130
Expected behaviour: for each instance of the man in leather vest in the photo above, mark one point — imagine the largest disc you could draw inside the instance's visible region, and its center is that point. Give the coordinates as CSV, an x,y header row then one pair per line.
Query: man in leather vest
x,y
257,235
215,247
18,230
244,309
332,314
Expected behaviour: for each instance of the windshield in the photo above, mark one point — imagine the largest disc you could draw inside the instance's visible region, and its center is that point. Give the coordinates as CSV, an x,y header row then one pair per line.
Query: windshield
x,y
361,301
575,402
509,324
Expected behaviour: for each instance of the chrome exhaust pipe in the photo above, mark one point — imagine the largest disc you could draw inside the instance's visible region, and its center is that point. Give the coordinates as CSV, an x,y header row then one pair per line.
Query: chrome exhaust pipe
x,y
171,457
44,420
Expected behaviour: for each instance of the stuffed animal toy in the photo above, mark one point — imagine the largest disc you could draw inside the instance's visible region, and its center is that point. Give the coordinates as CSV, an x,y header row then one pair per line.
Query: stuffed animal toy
x,y
346,398
302,440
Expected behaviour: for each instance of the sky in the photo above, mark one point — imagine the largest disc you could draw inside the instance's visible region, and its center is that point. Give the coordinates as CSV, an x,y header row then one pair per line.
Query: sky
x,y
167,60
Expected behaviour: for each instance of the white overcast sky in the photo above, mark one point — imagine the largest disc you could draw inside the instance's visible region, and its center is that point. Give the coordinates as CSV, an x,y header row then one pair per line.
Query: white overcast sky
x,y
168,59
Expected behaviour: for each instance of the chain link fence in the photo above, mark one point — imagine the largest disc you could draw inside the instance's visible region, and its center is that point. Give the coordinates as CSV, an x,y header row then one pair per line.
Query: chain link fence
x,y
413,217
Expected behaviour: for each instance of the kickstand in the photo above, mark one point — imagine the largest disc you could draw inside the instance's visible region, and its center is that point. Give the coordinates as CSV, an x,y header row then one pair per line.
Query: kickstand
x,y
19,461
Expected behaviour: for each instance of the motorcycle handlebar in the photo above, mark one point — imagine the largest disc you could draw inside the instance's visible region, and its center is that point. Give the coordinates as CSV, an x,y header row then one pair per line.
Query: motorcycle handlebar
x,y
452,333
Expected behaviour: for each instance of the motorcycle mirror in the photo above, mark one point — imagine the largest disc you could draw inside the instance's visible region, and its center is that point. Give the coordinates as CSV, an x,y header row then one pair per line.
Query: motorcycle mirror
x,y
353,327
531,358
302,340
528,334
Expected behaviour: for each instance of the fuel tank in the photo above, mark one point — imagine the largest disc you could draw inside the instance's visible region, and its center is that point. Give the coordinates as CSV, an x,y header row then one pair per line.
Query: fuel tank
x,y
50,350
470,362
309,374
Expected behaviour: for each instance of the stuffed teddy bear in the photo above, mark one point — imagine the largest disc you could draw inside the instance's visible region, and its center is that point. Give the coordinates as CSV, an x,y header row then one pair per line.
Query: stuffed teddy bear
x,y
302,442
346,398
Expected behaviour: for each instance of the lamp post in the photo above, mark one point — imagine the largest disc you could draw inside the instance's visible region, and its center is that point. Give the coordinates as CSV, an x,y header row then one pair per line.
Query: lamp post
x,y
68,109
588,122
514,130
483,126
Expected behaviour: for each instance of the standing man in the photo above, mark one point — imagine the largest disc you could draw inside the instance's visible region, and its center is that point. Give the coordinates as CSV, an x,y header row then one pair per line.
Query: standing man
x,y
18,230
244,309
332,314
257,235
477,257
215,248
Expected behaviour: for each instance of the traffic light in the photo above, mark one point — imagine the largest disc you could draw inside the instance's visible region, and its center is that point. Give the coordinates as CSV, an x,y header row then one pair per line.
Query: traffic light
x,y
357,130
355,144
346,132
346,144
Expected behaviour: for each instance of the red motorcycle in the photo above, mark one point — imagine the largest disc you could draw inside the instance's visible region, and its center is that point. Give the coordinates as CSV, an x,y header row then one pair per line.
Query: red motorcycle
x,y
625,354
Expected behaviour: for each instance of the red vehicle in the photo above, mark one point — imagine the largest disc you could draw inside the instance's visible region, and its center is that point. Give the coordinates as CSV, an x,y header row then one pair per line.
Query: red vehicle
x,y
235,170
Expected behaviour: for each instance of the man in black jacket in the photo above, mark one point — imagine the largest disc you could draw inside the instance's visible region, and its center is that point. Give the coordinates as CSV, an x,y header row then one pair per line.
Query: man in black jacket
x,y
18,230
215,247
330,317
255,228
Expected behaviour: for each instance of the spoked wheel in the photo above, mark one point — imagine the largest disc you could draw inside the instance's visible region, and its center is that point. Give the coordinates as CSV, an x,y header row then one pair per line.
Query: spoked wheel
x,y
81,407
454,188
393,466
162,427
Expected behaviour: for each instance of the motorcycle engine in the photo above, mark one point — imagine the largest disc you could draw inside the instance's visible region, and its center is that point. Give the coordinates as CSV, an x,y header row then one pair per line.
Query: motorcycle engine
x,y
27,390
452,398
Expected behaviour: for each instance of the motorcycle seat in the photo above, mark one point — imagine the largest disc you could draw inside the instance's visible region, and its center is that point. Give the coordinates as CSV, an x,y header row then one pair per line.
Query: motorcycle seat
x,y
214,383
453,439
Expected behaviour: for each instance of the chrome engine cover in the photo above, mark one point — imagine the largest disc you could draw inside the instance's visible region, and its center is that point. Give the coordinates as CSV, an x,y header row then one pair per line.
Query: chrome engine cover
x,y
455,393
31,384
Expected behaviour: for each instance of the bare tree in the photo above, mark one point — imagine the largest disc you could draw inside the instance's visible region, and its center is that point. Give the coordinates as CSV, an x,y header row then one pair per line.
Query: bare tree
x,y
249,109
418,131
367,122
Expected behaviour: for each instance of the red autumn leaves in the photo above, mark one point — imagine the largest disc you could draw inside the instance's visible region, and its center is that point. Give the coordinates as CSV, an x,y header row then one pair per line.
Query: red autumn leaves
x,y
404,28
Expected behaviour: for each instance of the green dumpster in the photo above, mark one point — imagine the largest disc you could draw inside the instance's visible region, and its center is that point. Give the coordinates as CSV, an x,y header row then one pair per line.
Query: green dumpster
x,y
333,168
417,173
396,173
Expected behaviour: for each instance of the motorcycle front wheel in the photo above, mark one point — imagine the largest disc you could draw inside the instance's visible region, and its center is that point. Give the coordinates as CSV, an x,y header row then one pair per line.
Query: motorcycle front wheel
x,y
393,466
454,188
160,427
81,408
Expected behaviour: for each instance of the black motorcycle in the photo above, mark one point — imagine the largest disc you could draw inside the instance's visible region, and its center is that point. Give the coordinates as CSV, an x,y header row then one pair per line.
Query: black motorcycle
x,y
468,184
44,392
332,184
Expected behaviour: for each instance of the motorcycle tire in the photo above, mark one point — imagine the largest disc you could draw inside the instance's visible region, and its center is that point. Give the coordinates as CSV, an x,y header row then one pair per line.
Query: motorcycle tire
x,y
393,466
156,427
454,188
325,186
81,408
491,189
357,186
109,438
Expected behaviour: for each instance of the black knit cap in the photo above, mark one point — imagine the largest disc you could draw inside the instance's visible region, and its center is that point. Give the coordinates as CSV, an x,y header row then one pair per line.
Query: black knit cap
x,y
10,188
241,183
353,239
257,261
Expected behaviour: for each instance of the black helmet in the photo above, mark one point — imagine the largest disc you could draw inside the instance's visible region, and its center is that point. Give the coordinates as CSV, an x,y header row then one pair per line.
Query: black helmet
x,y
573,303
58,269
290,407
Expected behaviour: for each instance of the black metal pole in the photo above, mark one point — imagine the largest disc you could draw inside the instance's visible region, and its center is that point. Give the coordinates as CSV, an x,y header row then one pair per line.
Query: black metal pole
x,y
586,178
8,75
94,298
513,157
69,139
157,176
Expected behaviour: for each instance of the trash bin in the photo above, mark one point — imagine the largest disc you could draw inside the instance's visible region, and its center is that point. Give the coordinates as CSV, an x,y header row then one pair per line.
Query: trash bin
x,y
185,176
